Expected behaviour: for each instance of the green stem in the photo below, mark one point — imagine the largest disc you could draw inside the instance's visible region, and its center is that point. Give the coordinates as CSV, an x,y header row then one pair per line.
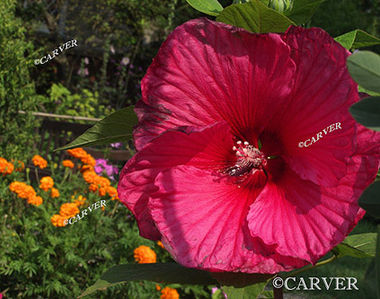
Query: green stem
x,y
321,263
37,177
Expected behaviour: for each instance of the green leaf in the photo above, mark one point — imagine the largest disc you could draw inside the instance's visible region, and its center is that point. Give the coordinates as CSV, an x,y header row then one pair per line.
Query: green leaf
x,y
367,112
303,10
254,16
162,273
359,245
210,7
239,280
371,93
115,127
249,292
370,199
357,39
364,67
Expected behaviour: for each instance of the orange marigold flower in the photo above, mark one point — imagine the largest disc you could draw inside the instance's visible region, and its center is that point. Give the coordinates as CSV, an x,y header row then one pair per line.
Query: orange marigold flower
x,y
88,160
85,168
68,210
35,200
6,167
169,293
68,163
58,220
22,190
39,161
46,183
77,152
90,176
159,243
103,208
144,255
158,288
54,192
80,200
112,192
102,182
93,188
102,191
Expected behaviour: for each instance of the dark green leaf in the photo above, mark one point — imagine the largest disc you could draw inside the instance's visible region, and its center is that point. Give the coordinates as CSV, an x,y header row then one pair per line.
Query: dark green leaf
x,y
371,93
364,67
210,7
370,199
117,126
359,245
254,16
367,112
162,273
303,10
357,39
239,280
249,292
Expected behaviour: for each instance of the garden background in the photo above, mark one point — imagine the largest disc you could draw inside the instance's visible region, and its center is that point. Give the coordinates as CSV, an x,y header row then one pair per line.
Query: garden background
x,y
117,40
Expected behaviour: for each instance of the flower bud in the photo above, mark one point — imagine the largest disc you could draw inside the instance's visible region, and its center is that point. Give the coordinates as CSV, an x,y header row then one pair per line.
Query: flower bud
x,y
281,5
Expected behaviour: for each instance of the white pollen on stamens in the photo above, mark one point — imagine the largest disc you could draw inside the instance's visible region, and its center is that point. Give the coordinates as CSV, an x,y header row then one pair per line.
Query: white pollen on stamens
x,y
238,142
234,148
246,143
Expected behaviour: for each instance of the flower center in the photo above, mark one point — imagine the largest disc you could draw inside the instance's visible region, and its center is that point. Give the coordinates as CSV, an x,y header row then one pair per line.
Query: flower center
x,y
249,159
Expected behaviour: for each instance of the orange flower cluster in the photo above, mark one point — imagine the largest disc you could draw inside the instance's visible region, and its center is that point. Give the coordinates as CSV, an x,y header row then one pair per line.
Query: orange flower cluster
x,y
68,163
6,167
82,155
39,161
19,165
54,192
144,255
80,201
69,210
46,183
27,192
169,293
58,220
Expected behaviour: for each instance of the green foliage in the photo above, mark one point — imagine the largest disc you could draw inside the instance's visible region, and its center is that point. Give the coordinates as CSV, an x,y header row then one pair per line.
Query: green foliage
x,y
303,10
357,39
364,67
370,199
114,128
16,90
254,16
210,7
249,292
367,112
62,101
358,245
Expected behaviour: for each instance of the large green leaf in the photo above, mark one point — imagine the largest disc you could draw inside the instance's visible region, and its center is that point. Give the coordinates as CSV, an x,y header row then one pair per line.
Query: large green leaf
x,y
357,39
117,126
370,199
364,67
249,292
367,112
162,273
303,10
359,245
254,16
210,7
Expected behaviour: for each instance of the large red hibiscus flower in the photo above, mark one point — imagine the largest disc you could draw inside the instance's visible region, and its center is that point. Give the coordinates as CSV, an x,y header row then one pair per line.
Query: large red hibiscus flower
x,y
248,159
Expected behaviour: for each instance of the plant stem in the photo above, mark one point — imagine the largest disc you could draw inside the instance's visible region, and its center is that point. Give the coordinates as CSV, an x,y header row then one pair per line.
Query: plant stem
x,y
278,293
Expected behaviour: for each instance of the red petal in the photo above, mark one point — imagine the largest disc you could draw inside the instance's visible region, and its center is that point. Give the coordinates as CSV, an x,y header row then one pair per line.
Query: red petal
x,y
168,150
208,71
305,220
202,219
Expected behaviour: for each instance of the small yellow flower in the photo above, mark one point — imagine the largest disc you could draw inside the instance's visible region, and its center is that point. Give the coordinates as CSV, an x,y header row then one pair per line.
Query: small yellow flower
x,y
144,255
159,243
